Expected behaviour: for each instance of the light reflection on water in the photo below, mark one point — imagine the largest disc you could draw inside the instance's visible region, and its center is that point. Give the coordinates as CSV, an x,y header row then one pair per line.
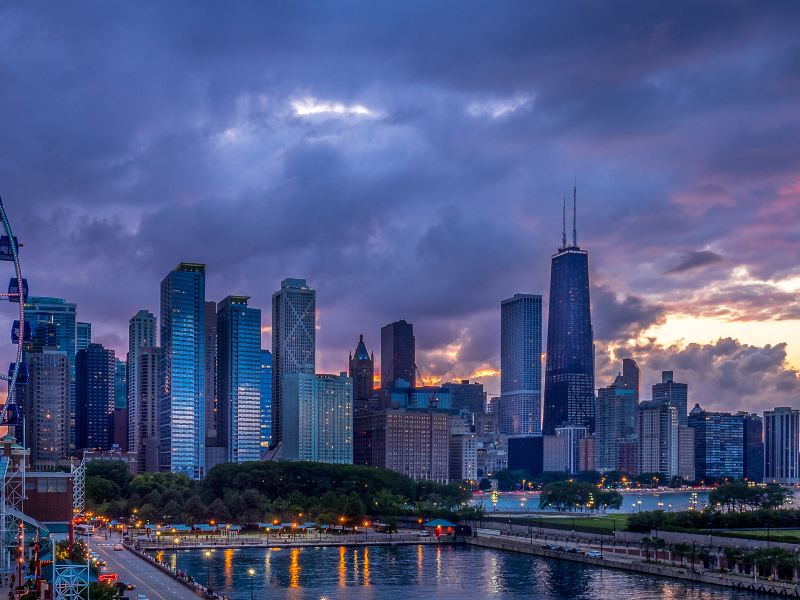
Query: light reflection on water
x,y
462,572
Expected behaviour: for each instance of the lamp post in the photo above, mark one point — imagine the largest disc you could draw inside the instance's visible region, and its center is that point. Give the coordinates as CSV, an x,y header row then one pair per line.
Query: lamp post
x,y
207,554
251,573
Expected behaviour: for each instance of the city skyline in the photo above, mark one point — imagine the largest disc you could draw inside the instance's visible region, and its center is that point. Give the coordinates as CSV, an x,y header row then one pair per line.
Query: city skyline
x,y
426,197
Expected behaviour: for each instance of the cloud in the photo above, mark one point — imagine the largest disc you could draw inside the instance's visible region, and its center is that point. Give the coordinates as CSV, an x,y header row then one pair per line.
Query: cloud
x,y
694,259
310,106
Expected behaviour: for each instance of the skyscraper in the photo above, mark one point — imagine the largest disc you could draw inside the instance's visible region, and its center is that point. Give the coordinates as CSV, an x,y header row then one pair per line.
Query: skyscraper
x,y
266,399
782,445
362,372
569,377
83,335
318,418
120,384
520,408
182,409
142,419
467,396
210,372
239,378
398,354
46,407
718,445
293,340
659,438
630,375
145,427
677,394
753,438
58,318
615,423
96,377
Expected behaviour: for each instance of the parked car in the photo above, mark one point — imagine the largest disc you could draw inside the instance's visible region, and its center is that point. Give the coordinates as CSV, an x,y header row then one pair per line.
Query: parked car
x,y
595,554
424,533
118,547
142,597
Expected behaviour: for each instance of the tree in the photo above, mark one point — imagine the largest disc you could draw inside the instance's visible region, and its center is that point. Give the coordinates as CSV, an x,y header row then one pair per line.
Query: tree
x,y
99,490
195,510
680,549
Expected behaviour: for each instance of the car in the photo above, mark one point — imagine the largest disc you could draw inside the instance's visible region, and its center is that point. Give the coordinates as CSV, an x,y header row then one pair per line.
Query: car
x,y
552,547
572,550
424,534
142,597
594,554
118,547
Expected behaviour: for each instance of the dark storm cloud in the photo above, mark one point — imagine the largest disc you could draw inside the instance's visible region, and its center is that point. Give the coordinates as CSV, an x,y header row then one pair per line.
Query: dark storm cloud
x,y
407,159
694,259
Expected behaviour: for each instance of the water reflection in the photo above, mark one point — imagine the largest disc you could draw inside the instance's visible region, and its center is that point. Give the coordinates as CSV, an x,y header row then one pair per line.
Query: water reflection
x,y
342,567
294,568
366,566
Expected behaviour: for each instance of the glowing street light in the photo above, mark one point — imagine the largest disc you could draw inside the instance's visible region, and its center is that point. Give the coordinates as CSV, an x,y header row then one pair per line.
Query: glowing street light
x,y
251,573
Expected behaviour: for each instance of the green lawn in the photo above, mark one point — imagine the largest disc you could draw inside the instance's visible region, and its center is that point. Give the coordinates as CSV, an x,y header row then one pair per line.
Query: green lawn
x,y
604,521
777,535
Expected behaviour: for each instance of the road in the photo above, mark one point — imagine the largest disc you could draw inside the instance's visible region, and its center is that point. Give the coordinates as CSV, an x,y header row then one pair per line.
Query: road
x,y
132,569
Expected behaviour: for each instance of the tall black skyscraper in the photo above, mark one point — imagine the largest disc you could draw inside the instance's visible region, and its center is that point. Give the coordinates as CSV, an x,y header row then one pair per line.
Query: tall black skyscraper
x,y
569,376
95,368
630,376
362,371
398,351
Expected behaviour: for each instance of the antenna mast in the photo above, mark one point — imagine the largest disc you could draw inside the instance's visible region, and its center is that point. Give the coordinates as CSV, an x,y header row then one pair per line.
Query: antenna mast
x,y
564,223
574,214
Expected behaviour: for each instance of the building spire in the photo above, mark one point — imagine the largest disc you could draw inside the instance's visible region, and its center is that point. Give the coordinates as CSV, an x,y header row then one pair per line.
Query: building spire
x,y
564,223
574,213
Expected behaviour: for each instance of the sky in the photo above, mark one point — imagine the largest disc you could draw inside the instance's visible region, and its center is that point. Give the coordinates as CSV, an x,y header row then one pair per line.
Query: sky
x,y
410,159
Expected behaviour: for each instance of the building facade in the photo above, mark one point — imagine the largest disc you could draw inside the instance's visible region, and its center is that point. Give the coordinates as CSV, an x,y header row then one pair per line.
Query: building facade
x,y
182,407
239,379
467,396
294,322
318,418
781,445
658,438
718,444
46,407
463,457
141,334
210,372
266,399
398,354
145,421
631,375
753,452
615,422
96,378
520,408
677,394
83,335
362,372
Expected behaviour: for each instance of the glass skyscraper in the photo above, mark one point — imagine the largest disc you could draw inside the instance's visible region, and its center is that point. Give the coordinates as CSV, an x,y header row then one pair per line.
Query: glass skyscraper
x,y
569,376
520,408
266,399
294,335
615,423
54,324
182,410
95,387
143,391
676,394
718,444
239,379
83,336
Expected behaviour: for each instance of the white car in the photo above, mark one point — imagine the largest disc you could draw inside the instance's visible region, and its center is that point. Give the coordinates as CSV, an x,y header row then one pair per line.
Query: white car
x,y
594,554
141,597
424,534
118,547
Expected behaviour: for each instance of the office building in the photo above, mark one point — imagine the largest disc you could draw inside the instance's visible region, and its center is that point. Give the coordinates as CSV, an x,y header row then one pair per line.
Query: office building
x,y
266,400
781,448
677,394
630,376
686,453
526,453
182,408
467,396
57,320
429,396
492,455
413,442
570,437
83,336
615,422
587,452
96,377
318,418
753,451
657,431
463,457
120,440
141,334
718,444
239,379
398,354
555,457
145,436
520,408
362,372
569,376
210,382
293,340
46,407
121,385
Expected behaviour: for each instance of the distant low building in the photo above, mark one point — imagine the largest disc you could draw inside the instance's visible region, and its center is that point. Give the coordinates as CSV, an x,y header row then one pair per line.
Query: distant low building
x,y
115,453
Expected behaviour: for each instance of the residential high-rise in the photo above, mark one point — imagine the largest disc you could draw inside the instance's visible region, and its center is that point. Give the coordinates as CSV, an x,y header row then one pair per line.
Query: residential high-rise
x,y
362,372
686,453
782,445
569,377
414,442
266,399
293,340
398,354
141,335
463,457
753,452
630,375
145,420
570,437
46,407
657,431
83,335
58,319
718,445
96,377
615,422
182,407
677,394
239,378
520,408
318,418
210,372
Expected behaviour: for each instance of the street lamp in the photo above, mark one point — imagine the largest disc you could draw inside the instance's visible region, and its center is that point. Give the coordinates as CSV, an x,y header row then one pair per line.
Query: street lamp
x,y
251,573
207,554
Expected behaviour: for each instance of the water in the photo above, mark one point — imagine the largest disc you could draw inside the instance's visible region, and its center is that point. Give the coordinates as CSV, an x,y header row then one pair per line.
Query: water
x,y
631,501
422,573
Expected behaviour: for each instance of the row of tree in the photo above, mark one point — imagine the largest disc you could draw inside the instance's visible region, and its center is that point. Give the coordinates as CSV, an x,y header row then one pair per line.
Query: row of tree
x,y
509,481
580,495
739,495
262,491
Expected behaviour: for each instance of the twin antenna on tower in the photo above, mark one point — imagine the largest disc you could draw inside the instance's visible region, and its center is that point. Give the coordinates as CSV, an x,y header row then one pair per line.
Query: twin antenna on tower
x,y
574,219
